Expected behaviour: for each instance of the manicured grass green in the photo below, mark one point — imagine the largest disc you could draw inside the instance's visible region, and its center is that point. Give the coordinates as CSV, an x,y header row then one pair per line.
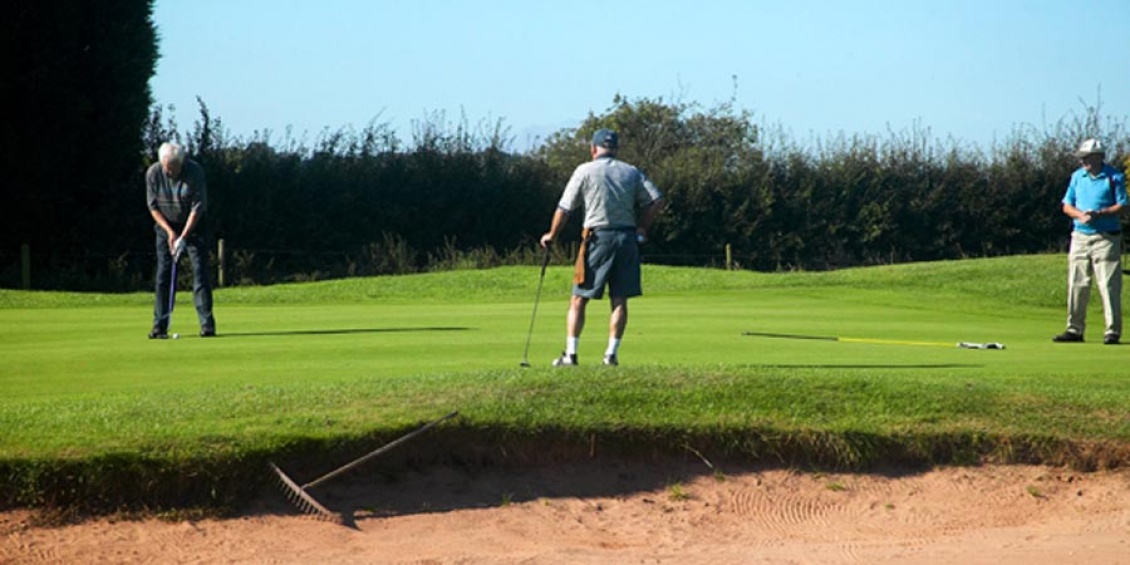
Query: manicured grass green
x,y
301,370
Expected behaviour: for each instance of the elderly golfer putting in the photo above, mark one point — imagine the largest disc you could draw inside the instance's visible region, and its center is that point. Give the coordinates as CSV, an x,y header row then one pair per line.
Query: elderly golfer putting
x,y
177,194
619,205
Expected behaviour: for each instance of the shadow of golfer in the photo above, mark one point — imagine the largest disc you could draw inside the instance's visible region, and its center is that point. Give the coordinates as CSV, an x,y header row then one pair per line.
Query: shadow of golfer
x,y
345,331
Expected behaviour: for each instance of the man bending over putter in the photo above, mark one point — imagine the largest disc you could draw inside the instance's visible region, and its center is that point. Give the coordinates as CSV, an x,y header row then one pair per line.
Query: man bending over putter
x,y
178,197
620,204
1095,197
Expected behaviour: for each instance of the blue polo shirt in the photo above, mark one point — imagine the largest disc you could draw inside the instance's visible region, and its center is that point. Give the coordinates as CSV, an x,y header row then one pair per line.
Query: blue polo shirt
x,y
1092,193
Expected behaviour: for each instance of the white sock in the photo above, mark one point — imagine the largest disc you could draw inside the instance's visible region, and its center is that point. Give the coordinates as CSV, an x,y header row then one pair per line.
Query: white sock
x,y
613,346
571,345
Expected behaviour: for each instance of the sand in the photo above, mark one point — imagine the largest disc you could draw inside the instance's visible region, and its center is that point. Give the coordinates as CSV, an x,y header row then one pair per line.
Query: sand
x,y
616,512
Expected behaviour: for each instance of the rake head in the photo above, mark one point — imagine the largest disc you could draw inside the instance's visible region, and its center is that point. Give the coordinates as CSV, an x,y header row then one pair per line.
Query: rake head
x,y
302,499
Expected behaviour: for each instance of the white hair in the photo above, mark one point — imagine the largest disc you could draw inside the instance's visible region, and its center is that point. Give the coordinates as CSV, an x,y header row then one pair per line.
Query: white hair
x,y
172,152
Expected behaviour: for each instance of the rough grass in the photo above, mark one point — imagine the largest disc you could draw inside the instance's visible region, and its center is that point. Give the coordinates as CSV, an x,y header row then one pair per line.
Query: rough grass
x,y
97,418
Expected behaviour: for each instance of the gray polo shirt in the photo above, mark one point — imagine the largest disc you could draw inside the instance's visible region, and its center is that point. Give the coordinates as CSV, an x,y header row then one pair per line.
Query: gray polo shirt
x,y
611,191
177,198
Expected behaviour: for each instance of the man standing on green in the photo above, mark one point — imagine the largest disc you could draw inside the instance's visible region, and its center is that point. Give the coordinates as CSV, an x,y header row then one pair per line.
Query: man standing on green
x,y
620,204
1095,197
177,195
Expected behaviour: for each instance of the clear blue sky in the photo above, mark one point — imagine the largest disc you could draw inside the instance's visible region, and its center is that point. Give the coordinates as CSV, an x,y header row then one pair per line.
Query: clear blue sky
x,y
971,69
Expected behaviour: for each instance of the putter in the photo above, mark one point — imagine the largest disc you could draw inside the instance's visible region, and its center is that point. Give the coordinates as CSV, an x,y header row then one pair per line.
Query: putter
x,y
960,345
537,298
172,296
178,250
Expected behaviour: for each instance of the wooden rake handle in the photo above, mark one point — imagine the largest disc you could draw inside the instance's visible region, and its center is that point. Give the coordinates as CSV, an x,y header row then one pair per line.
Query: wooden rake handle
x,y
377,452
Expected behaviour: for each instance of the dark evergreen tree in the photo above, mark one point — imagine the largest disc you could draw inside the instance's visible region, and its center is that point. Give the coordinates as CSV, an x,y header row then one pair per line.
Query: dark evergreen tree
x,y
76,90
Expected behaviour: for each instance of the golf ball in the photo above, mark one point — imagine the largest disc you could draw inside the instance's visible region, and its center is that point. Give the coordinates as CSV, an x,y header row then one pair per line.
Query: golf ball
x,y
176,336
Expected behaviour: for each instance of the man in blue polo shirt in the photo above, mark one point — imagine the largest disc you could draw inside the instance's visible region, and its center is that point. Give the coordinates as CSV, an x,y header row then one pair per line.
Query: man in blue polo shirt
x,y
619,204
1095,197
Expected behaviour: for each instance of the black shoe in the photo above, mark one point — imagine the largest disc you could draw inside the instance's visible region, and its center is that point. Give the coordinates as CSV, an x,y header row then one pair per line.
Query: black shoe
x,y
207,332
565,360
1068,337
611,360
158,333
1111,339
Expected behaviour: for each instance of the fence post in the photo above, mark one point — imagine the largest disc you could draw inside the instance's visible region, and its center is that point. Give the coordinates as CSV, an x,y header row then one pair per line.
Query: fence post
x,y
220,260
729,258
25,266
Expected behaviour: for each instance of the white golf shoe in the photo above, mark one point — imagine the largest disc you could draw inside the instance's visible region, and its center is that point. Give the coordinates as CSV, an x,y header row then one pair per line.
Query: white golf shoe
x,y
566,360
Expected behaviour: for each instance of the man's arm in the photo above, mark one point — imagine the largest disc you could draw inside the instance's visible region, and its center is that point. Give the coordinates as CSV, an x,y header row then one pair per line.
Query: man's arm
x,y
559,218
1084,216
171,235
1112,210
1121,199
199,199
193,218
648,215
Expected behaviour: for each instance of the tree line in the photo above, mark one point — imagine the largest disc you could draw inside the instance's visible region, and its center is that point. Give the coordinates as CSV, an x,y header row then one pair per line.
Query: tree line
x,y
365,202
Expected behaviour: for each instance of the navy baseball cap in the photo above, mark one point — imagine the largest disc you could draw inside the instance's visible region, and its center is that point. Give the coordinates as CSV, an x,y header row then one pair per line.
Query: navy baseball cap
x,y
605,138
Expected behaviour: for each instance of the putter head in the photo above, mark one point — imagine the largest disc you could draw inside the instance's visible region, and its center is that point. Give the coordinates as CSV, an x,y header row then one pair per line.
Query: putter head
x,y
524,364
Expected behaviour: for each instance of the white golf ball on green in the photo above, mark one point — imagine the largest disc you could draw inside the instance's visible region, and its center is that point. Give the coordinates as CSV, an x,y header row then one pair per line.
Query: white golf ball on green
x,y
176,336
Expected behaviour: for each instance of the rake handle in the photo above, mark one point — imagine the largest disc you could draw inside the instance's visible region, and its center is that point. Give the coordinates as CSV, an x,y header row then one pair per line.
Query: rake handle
x,y
379,451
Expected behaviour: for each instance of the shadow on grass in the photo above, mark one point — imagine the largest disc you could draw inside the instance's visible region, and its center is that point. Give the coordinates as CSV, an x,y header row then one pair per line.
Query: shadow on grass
x,y
345,331
869,366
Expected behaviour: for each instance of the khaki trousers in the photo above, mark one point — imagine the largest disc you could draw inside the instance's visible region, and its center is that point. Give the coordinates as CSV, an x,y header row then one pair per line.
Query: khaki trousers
x,y
1098,257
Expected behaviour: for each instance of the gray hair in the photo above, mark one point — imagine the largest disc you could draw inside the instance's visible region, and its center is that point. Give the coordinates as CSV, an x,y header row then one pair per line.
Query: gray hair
x,y
172,152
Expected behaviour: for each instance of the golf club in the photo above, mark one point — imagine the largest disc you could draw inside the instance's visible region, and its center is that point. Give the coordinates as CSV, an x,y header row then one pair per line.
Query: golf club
x,y
961,345
537,298
178,250
172,295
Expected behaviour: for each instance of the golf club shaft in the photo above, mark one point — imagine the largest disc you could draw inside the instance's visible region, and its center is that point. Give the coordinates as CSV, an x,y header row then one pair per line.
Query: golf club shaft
x,y
851,339
894,341
172,294
537,299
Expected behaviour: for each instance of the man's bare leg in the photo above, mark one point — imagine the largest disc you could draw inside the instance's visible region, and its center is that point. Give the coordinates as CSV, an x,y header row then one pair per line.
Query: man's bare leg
x,y
617,323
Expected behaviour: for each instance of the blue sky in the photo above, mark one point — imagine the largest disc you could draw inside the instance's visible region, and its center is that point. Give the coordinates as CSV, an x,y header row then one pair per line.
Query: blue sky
x,y
972,69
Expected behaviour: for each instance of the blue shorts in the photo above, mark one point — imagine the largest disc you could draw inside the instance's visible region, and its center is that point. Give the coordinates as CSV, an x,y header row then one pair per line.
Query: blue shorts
x,y
613,259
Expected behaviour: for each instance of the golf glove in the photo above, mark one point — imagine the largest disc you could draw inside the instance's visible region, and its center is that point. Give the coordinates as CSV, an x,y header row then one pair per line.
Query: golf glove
x,y
178,248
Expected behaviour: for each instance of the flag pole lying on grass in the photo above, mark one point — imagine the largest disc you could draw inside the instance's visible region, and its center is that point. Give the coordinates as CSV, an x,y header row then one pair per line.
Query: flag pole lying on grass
x,y
298,495
960,344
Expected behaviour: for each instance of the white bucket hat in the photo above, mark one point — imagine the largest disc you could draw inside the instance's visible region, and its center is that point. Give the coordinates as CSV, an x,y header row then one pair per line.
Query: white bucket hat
x,y
1090,147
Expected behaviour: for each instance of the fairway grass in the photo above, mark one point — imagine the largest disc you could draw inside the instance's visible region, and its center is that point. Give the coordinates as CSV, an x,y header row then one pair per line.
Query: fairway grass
x,y
316,373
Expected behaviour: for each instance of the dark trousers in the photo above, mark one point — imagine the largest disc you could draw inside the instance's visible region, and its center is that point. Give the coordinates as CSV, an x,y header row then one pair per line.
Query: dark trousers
x,y
196,248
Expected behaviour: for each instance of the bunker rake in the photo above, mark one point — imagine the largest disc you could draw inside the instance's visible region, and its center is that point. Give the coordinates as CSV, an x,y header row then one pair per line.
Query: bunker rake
x,y
305,502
